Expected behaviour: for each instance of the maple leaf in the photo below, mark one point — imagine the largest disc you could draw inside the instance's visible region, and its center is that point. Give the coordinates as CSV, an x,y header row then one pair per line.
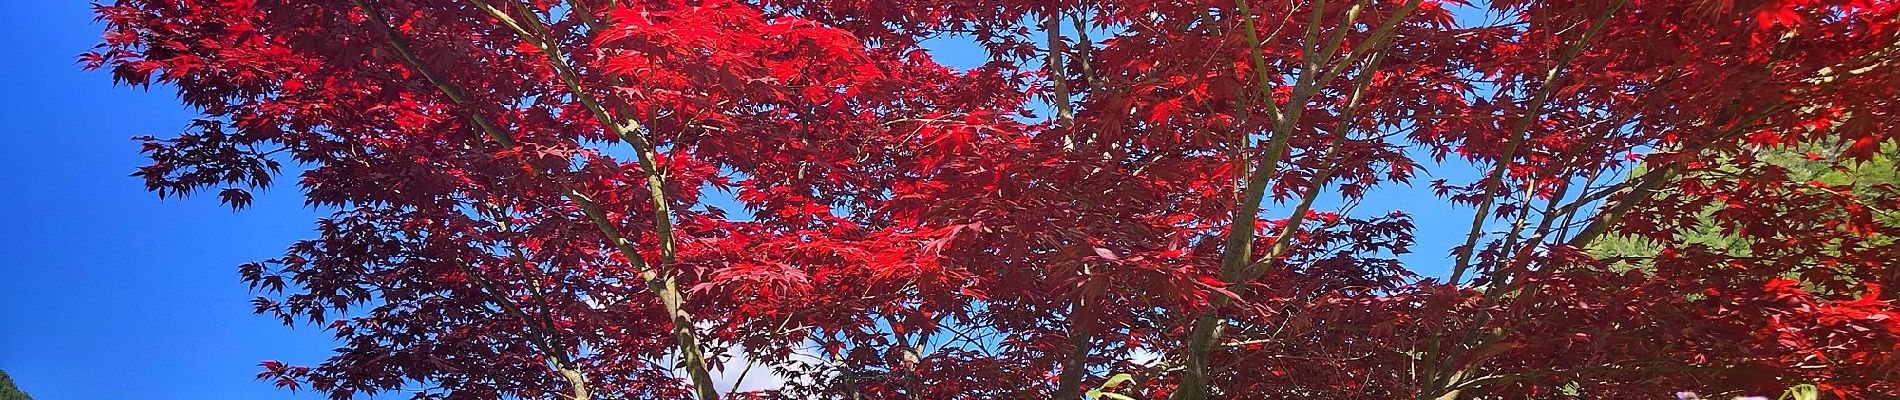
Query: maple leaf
x,y
529,196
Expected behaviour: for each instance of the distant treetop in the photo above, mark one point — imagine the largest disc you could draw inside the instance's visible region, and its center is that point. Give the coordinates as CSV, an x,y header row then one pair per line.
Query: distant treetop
x,y
8,391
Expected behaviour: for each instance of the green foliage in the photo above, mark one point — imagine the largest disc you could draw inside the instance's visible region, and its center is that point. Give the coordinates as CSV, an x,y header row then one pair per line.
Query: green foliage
x,y
1104,392
1803,164
8,391
1801,392
1571,390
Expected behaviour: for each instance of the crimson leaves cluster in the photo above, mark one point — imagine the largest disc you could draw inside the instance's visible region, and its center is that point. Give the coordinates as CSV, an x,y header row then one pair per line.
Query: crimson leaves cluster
x,y
525,194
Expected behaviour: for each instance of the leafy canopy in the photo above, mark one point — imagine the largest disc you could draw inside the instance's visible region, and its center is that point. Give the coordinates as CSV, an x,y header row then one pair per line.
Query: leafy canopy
x,y
523,193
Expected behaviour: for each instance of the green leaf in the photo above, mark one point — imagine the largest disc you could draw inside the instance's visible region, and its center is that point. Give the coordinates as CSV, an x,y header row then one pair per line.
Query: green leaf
x,y
1801,392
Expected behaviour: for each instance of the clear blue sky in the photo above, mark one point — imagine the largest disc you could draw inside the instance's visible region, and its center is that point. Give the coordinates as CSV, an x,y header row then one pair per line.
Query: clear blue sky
x,y
107,292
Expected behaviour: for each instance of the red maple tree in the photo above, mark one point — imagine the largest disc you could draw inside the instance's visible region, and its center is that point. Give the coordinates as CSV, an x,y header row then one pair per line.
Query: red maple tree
x,y
1165,189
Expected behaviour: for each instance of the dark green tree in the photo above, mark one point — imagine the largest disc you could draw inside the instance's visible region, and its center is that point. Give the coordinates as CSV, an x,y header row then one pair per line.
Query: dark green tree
x,y
8,391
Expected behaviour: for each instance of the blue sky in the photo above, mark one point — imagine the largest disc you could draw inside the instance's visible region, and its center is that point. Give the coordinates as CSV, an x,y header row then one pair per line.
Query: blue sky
x,y
107,292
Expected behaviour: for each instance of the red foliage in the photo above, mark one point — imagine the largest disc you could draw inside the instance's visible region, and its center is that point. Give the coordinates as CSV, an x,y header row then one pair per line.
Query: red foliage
x,y
521,192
